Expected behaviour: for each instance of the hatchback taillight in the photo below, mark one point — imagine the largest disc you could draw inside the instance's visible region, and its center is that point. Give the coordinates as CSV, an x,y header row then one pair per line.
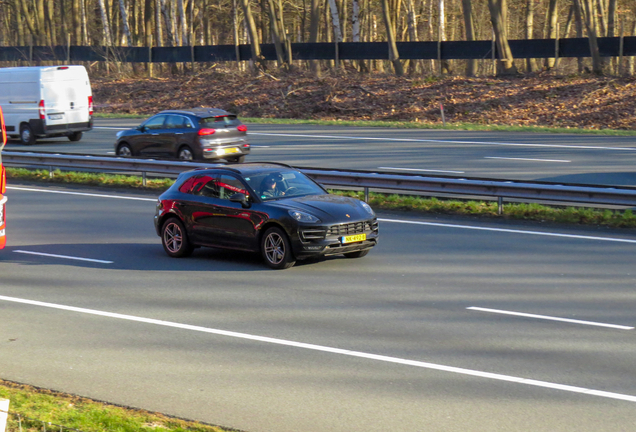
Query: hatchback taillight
x,y
90,105
42,110
207,131
241,128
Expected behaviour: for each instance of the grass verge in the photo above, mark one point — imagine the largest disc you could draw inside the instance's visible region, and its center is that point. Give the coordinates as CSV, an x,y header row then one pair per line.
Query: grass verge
x,y
64,412
414,125
406,203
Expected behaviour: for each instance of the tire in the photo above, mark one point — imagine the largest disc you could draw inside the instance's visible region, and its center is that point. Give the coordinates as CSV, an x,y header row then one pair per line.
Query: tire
x,y
174,239
124,150
75,136
276,249
239,159
358,254
185,153
26,135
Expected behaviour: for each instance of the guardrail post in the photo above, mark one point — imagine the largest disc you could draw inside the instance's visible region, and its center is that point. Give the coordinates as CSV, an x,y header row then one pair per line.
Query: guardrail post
x,y
50,171
143,178
366,194
500,205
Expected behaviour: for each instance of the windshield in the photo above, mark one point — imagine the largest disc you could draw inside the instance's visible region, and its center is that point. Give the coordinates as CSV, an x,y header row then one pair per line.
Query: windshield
x,y
282,184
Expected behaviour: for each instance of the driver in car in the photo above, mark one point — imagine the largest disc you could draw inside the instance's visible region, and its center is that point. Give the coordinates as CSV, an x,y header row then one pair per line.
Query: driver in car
x,y
270,186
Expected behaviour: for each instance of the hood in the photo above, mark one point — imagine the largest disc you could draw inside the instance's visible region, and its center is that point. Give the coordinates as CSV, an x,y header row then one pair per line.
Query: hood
x,y
328,208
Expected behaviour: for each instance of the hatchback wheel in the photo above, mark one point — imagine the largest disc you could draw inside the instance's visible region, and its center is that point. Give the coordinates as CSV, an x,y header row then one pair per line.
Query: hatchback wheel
x,y
185,153
276,249
175,239
124,150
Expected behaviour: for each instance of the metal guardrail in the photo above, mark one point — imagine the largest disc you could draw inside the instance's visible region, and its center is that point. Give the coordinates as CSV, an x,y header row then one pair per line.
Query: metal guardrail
x,y
499,189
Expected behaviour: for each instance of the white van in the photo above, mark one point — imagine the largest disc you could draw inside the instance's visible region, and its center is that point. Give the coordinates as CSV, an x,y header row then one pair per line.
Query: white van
x,y
46,101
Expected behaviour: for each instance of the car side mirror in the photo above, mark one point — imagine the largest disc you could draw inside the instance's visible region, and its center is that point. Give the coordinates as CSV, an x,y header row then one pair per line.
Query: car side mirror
x,y
141,128
240,198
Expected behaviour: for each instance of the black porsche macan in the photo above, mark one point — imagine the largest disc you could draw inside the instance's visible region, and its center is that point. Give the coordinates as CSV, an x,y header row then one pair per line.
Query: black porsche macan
x,y
269,208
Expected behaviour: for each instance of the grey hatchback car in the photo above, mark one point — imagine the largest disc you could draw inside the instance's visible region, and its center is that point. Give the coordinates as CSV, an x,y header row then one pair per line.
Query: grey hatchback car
x,y
200,133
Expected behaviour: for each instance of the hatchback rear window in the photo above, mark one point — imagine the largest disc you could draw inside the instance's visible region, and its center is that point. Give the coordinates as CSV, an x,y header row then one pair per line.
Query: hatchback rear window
x,y
218,121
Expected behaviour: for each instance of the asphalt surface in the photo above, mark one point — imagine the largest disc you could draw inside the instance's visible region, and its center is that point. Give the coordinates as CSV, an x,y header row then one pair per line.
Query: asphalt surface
x,y
419,335
589,159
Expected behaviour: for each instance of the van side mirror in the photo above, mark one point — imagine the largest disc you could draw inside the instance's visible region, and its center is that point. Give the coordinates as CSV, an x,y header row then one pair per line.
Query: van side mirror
x,y
240,198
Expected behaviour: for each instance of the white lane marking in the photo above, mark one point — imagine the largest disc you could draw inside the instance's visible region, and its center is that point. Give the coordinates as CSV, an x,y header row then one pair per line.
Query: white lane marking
x,y
528,159
418,169
63,257
81,194
540,233
506,230
112,127
260,146
550,318
448,141
332,350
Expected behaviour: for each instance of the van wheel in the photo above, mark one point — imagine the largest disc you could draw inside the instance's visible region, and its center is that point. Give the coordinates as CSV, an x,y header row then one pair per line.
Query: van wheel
x,y
26,135
239,159
75,136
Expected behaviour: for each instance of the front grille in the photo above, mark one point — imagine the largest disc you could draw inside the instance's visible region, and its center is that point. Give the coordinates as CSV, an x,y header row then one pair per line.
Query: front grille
x,y
353,228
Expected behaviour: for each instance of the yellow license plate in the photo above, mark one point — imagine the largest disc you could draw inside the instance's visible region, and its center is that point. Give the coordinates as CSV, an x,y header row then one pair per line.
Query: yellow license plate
x,y
354,238
227,151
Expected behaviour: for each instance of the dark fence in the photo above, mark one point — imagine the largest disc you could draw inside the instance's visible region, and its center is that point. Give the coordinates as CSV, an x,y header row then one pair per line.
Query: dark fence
x,y
533,48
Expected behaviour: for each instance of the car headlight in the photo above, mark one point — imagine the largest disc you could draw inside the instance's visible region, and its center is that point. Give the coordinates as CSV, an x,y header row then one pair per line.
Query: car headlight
x,y
303,217
368,208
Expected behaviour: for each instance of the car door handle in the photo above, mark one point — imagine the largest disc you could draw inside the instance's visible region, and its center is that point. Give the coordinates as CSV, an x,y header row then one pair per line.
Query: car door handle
x,y
154,134
179,133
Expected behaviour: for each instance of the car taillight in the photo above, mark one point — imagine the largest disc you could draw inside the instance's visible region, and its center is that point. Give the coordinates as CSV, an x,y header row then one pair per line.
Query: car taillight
x,y
241,128
207,131
90,105
41,110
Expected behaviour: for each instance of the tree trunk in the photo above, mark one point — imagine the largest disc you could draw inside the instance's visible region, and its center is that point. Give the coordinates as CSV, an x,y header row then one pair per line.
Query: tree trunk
x,y
255,45
273,24
587,11
185,36
158,27
335,21
471,64
531,64
551,20
124,19
105,23
414,65
314,26
394,56
498,16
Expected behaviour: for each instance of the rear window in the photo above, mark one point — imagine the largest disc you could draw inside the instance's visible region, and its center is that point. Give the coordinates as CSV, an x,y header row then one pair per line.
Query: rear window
x,y
219,121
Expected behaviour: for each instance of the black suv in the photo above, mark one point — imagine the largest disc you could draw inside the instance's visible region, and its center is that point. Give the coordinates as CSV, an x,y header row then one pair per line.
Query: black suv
x,y
200,133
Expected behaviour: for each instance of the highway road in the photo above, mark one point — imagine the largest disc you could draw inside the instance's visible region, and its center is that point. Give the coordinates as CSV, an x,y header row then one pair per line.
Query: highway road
x,y
590,159
448,325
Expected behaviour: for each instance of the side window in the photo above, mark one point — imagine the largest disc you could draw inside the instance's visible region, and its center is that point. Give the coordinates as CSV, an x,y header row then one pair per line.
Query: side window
x,y
175,122
203,185
229,185
155,122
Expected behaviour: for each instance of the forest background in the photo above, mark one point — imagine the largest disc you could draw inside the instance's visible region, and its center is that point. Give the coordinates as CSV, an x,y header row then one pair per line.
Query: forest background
x,y
594,92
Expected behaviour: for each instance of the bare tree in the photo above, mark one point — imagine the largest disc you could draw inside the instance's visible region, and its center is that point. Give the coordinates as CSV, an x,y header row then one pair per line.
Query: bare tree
x,y
587,12
124,18
471,64
498,16
394,56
